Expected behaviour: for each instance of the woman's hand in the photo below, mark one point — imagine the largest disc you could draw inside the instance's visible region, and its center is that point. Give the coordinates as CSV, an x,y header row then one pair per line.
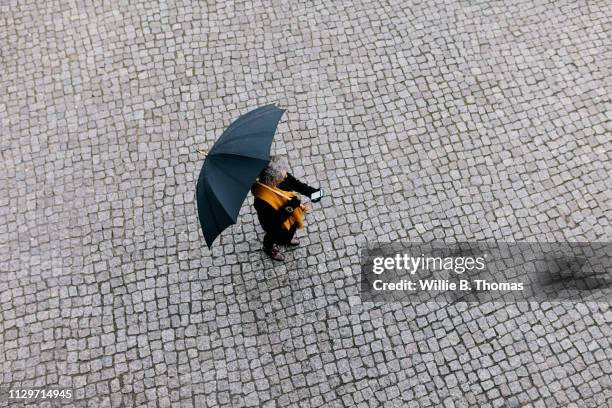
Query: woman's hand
x,y
307,207
294,202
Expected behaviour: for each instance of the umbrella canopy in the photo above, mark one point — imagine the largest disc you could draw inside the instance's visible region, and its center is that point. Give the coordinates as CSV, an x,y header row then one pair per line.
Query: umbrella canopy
x,y
231,168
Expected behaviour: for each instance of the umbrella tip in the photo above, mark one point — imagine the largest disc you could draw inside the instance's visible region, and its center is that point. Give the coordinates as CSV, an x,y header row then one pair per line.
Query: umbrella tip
x,y
202,151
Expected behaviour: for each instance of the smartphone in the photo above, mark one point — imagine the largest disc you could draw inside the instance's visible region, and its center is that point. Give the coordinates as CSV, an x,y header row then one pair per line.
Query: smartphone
x,y
316,196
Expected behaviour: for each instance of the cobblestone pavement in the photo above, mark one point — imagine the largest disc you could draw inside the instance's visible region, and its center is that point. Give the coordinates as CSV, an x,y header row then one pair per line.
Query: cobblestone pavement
x,y
447,120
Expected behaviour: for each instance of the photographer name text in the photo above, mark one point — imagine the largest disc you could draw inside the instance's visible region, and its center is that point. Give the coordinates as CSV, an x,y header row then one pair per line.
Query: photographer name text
x,y
407,264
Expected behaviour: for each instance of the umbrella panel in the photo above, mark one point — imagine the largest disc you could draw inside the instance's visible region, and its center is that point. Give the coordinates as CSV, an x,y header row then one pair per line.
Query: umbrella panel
x,y
231,188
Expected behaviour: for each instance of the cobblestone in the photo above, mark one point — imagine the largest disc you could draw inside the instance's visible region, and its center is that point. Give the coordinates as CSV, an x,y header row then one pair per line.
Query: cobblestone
x,y
424,120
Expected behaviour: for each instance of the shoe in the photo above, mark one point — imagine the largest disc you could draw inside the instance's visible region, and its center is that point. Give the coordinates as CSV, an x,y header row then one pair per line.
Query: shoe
x,y
274,253
294,242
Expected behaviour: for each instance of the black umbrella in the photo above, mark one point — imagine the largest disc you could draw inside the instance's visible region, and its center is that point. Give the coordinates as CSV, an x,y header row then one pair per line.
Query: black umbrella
x,y
231,167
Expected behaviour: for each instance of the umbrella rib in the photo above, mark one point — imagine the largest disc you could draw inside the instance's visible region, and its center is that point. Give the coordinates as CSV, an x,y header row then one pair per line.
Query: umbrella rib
x,y
242,155
255,113
212,190
201,206
251,116
246,122
217,147
210,205
212,162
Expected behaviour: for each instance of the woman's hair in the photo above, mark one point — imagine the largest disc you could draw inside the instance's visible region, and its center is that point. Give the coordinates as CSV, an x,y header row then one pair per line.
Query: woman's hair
x,y
275,172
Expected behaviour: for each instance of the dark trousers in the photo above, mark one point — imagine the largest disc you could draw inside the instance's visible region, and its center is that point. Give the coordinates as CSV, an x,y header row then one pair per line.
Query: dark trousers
x,y
281,237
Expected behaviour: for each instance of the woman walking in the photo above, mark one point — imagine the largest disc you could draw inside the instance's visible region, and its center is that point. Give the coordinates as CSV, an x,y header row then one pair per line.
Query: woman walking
x,y
279,208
